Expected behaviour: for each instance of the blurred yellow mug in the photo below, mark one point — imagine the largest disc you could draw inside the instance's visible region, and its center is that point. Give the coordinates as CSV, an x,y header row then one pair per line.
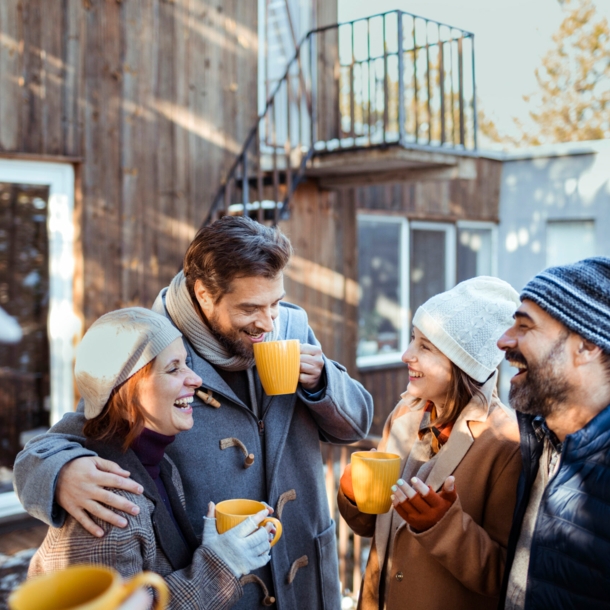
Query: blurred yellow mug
x,y
278,364
230,513
373,474
84,587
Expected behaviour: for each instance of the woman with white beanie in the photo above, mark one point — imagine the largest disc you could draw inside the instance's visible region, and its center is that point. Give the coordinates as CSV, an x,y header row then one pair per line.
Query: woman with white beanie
x,y
443,545
131,372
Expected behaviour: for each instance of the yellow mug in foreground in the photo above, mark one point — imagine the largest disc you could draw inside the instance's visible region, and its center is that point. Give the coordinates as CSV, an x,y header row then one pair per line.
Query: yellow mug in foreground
x,y
278,364
373,474
232,512
84,587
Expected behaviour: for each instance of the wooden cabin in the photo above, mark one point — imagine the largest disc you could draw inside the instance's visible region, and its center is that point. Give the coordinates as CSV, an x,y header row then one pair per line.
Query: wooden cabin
x,y
124,126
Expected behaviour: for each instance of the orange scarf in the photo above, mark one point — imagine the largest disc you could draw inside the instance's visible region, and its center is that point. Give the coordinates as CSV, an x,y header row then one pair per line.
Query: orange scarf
x,y
440,434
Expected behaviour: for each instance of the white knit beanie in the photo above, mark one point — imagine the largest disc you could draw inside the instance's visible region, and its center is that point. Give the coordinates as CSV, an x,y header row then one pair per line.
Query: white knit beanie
x,y
115,347
465,322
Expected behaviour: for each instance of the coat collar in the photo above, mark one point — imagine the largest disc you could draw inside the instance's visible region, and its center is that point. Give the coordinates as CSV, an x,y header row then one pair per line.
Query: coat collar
x,y
461,437
173,545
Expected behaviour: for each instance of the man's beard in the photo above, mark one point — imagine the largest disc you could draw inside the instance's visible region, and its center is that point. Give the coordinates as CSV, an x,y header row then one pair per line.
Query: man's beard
x,y
231,341
545,389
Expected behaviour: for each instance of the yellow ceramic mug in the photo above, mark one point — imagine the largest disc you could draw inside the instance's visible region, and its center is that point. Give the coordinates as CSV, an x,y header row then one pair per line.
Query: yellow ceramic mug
x,y
232,512
373,474
278,364
84,587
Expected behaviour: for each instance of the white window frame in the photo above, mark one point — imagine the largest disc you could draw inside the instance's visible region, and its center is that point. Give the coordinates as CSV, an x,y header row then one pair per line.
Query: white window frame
x,y
450,229
556,221
395,357
480,224
64,326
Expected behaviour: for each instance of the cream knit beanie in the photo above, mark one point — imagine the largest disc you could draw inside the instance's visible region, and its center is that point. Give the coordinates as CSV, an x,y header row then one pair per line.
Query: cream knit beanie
x,y
465,322
115,347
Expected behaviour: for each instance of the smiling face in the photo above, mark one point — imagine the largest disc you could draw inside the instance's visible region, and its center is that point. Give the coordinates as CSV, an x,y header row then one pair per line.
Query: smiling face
x,y
166,393
243,315
538,346
430,371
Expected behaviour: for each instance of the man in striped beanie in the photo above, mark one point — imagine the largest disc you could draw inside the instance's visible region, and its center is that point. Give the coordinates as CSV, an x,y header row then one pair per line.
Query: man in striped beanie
x,y
559,549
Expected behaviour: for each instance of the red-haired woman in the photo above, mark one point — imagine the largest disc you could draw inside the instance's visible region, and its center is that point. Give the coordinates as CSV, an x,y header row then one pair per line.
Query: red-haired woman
x,y
131,372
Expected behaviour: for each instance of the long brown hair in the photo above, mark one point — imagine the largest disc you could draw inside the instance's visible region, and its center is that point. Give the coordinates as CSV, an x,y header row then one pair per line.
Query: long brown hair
x,y
123,416
461,391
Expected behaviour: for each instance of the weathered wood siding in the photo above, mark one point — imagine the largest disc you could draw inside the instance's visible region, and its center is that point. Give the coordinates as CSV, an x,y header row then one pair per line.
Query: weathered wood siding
x,y
155,97
323,277
323,274
458,199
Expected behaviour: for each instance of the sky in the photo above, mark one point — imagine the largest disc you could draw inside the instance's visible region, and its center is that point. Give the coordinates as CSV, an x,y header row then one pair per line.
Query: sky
x,y
511,37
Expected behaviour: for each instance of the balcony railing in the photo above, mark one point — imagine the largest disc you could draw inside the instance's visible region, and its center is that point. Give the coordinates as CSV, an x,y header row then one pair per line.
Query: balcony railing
x,y
393,79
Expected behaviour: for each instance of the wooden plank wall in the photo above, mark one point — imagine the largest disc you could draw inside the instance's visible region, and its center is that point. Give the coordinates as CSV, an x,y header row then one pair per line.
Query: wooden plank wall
x,y
446,200
322,276
323,232
155,97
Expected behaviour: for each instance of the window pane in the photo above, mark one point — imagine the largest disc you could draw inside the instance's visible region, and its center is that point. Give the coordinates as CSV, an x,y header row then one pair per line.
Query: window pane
x,y
473,253
380,312
427,265
569,241
24,294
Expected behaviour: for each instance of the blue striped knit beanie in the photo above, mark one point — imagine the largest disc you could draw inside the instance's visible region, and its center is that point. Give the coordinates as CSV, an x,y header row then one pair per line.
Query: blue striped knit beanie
x,y
578,296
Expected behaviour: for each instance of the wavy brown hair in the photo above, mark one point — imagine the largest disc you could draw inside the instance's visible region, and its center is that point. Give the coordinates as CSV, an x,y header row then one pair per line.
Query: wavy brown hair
x,y
462,390
122,418
234,247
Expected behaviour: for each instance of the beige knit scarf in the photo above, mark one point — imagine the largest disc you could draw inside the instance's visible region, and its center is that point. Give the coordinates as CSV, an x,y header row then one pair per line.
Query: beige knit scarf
x,y
182,311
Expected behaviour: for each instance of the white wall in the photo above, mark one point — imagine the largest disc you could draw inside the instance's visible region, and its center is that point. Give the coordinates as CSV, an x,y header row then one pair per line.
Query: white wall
x,y
566,182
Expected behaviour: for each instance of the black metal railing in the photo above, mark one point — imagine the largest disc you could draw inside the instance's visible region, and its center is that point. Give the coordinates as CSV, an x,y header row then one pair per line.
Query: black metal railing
x,y
388,79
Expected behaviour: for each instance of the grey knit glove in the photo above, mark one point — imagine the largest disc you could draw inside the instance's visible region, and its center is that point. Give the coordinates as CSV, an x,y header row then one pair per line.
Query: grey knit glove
x,y
243,548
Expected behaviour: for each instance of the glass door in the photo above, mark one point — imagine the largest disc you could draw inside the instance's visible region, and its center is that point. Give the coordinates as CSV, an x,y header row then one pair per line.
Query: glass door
x,y
24,295
36,290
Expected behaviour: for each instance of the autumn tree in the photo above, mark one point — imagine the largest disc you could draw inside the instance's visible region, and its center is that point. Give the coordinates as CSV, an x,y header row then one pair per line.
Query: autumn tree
x,y
573,100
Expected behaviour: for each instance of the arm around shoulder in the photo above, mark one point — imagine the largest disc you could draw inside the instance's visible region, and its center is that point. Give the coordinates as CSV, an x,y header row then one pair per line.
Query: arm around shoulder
x,y
38,465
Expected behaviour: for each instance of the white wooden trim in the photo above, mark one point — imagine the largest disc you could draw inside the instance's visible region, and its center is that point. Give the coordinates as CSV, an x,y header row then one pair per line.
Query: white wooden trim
x,y
63,324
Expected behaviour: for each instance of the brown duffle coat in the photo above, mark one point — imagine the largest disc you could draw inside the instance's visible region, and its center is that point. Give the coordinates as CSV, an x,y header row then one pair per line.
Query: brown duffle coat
x,y
458,564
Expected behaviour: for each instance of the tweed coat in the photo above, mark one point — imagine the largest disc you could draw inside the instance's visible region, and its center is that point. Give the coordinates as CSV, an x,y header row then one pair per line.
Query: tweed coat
x,y
196,577
459,562
287,471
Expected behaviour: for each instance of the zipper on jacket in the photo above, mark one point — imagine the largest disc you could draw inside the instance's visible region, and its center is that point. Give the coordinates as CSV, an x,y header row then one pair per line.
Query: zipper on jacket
x,y
261,427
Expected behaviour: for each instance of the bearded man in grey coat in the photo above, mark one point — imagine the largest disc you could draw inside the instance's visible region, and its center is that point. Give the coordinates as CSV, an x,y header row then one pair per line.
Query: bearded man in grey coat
x,y
244,444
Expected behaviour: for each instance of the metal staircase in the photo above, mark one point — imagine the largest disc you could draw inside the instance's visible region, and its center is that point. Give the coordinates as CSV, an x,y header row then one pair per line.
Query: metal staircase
x,y
389,82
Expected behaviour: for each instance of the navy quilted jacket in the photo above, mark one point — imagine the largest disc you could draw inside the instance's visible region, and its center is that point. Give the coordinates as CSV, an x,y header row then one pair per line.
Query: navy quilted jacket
x,y
570,554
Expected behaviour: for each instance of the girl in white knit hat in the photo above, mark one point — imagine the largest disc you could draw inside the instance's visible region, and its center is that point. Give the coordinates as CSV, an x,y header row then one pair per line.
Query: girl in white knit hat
x,y
443,544
137,390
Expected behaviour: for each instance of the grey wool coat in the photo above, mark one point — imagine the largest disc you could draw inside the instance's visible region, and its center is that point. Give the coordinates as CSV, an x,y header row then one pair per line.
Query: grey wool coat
x,y
287,471
196,577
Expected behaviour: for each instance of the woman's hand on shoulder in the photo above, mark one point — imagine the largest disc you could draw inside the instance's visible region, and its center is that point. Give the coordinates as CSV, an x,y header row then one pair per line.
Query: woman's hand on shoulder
x,y
420,506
